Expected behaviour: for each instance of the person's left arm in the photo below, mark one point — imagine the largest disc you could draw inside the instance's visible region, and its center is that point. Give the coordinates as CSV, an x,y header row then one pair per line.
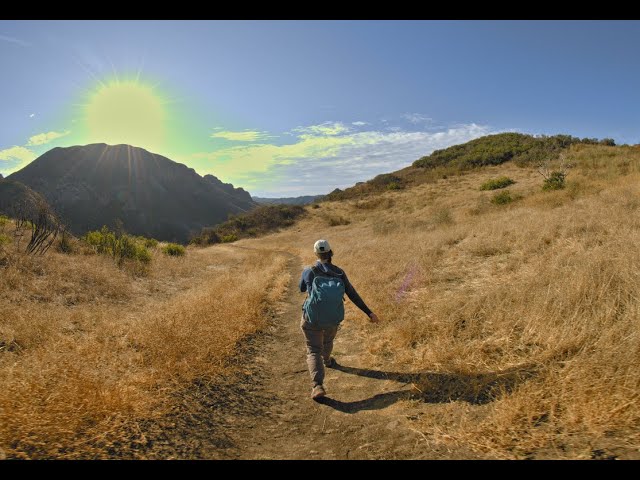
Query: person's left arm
x,y
355,298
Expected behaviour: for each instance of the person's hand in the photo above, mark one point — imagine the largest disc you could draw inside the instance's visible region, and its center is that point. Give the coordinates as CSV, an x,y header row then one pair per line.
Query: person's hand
x,y
374,318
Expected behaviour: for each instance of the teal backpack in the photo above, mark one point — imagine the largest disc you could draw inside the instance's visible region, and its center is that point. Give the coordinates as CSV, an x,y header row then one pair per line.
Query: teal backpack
x,y
324,307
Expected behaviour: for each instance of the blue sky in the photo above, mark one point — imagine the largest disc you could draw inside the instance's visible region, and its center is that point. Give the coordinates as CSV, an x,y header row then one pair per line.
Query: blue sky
x,y
286,108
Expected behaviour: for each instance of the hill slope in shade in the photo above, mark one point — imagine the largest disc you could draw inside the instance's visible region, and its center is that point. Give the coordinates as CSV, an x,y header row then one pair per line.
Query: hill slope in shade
x,y
94,185
15,196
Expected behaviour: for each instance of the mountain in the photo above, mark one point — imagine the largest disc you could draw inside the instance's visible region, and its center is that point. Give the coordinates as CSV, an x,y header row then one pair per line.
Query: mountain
x,y
240,193
304,200
94,185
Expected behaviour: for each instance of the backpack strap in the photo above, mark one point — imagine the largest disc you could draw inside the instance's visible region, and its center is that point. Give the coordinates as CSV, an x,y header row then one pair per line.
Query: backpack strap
x,y
321,273
317,272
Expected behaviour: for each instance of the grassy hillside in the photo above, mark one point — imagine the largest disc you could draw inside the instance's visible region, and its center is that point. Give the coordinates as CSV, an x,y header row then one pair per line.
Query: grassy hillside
x,y
520,320
522,149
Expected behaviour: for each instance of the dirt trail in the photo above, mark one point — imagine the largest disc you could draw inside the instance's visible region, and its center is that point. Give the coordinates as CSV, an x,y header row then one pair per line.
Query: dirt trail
x,y
266,412
263,409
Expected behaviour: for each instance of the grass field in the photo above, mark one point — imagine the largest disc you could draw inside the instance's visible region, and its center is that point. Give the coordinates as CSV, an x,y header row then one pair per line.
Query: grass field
x,y
87,350
520,320
528,310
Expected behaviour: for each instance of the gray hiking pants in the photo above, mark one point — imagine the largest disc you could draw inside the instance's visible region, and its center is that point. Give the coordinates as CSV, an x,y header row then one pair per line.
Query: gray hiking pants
x,y
319,347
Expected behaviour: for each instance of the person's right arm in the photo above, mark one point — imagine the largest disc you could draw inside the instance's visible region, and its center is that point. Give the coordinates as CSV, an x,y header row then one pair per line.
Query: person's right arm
x,y
304,280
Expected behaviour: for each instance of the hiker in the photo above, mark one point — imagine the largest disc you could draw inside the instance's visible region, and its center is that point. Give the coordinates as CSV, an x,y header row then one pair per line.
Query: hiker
x,y
323,310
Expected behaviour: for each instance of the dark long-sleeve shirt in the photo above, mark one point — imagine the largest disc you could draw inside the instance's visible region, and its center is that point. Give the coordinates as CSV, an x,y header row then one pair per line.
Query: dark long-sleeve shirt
x,y
307,279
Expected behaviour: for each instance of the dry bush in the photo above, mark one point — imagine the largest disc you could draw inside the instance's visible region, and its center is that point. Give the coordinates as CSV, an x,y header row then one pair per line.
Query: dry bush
x,y
334,221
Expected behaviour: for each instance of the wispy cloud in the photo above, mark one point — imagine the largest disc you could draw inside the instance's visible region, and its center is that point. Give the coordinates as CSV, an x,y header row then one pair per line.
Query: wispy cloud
x,y
417,118
242,136
16,157
258,158
32,115
359,124
42,138
331,157
17,153
326,128
17,41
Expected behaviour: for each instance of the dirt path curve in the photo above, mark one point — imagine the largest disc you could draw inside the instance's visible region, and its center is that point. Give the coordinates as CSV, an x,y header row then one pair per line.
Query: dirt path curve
x,y
273,417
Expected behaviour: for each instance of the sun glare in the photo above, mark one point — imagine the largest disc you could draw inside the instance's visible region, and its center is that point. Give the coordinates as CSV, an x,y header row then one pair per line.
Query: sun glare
x,y
126,112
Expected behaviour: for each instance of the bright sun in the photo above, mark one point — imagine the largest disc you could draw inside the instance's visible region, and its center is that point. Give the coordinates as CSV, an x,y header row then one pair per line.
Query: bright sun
x,y
126,112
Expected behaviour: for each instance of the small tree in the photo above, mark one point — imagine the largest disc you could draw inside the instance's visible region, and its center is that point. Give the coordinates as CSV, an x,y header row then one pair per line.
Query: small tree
x,y
40,221
554,179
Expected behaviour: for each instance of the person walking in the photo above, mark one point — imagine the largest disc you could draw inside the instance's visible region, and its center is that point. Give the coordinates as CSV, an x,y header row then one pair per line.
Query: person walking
x,y
323,311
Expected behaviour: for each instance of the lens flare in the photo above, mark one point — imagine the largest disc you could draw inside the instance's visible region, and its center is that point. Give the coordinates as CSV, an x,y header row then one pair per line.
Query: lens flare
x,y
126,112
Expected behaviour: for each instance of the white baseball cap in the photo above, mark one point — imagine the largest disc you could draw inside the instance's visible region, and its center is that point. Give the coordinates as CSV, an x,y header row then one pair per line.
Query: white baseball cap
x,y
321,246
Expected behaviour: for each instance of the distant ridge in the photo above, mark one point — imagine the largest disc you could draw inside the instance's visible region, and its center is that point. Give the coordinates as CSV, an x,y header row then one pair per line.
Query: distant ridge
x,y
303,200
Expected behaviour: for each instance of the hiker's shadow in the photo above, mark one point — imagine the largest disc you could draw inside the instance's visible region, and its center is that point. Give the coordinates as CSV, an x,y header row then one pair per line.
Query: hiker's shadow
x,y
432,387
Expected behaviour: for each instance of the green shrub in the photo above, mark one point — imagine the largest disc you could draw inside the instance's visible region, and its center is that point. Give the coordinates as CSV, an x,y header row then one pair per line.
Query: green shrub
x,y
4,220
128,248
502,198
4,239
555,181
119,246
394,186
148,242
496,183
174,250
232,237
103,241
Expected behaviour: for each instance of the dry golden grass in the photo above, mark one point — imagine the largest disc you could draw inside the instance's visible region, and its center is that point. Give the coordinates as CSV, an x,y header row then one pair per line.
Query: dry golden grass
x,y
520,321
522,318
87,351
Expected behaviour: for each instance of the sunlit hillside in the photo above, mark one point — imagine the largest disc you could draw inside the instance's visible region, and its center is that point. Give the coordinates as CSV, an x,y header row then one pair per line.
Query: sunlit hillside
x,y
517,319
521,319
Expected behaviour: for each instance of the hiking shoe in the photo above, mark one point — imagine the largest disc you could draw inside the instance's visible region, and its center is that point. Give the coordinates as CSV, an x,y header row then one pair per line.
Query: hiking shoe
x,y
318,392
331,363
